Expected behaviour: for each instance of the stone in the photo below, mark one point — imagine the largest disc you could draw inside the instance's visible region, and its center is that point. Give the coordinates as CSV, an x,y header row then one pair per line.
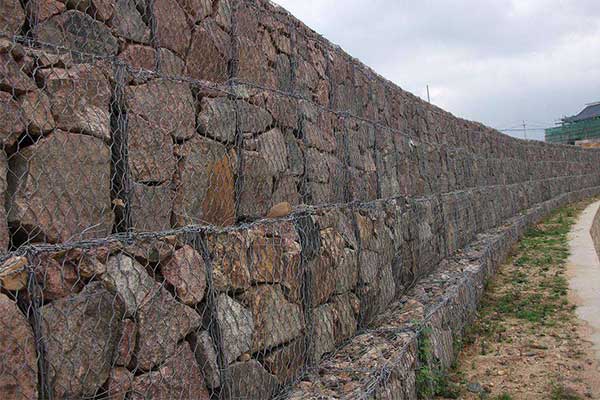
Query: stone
x,y
19,359
12,77
280,210
151,207
345,319
323,339
150,151
41,10
206,357
128,22
78,32
14,273
276,321
170,63
186,272
287,362
168,106
81,334
236,325
80,99
37,114
178,377
119,383
229,253
11,120
162,323
139,57
249,380
172,27
273,148
63,190
252,118
205,186
129,279
209,53
56,280
217,119
12,17
126,345
197,10
256,194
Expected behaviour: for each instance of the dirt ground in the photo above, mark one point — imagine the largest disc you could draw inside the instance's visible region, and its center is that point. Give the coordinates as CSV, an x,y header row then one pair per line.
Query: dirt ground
x,y
527,342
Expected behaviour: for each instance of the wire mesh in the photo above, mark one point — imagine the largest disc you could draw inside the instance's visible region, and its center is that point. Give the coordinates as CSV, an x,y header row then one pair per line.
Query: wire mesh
x,y
206,199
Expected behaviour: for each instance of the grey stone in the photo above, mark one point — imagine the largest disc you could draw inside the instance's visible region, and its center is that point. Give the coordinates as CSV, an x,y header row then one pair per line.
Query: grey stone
x,y
237,327
249,380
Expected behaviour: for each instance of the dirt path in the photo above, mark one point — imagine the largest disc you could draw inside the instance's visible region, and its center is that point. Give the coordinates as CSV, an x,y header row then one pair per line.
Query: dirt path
x,y
528,342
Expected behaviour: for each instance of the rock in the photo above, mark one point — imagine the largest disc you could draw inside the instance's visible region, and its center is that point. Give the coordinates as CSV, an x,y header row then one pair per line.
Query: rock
x,y
170,63
126,345
229,253
129,280
37,113
11,120
206,186
139,57
166,105
128,22
276,321
255,197
273,148
209,53
12,17
217,119
41,10
80,99
14,273
151,250
345,319
79,32
119,383
249,380
56,280
196,9
151,207
12,77
323,340
81,334
287,362
63,190
186,271
206,357
162,324
236,325
19,367
253,119
172,28
178,377
88,265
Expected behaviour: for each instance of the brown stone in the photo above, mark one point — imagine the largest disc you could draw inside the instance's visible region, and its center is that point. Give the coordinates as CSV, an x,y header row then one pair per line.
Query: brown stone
x,y
57,280
151,207
276,321
287,362
14,273
236,326
217,119
80,99
249,380
79,32
229,253
81,334
170,63
196,9
139,57
256,193
12,77
178,377
36,112
41,10
186,271
206,187
119,383
166,105
209,53
323,339
126,345
172,27
206,356
273,148
162,323
128,22
12,16
63,190
19,359
11,120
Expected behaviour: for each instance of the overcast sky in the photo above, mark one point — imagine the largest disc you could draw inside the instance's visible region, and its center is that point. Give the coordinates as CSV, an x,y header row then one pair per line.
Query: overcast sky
x,y
495,61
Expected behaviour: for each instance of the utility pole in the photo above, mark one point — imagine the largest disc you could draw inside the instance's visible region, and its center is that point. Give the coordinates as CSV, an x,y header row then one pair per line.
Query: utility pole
x,y
428,98
525,129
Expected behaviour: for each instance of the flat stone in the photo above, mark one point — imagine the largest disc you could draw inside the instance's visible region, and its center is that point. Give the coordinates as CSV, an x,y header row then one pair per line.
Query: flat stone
x,y
57,280
256,194
217,118
162,323
172,27
119,383
151,207
186,272
128,22
170,63
80,99
12,16
249,380
276,321
139,57
19,361
206,356
229,253
41,10
287,362
81,334
205,186
78,31
12,77
236,325
178,376
323,338
64,188
272,146
126,345
209,53
11,120
196,9
36,112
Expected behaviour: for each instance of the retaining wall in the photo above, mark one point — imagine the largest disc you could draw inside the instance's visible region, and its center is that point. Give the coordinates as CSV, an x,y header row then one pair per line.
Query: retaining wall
x,y
143,143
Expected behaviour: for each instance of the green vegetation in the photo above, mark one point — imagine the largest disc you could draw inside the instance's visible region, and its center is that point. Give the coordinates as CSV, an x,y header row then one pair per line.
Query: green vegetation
x,y
431,380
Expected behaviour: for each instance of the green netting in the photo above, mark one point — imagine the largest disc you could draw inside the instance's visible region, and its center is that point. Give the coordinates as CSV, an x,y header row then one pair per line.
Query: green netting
x,y
568,134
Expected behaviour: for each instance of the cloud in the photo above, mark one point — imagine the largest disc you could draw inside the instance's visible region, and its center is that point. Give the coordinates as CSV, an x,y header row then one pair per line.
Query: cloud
x,y
496,61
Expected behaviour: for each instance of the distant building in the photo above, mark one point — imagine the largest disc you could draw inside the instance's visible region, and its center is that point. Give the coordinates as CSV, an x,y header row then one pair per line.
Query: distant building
x,y
578,129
